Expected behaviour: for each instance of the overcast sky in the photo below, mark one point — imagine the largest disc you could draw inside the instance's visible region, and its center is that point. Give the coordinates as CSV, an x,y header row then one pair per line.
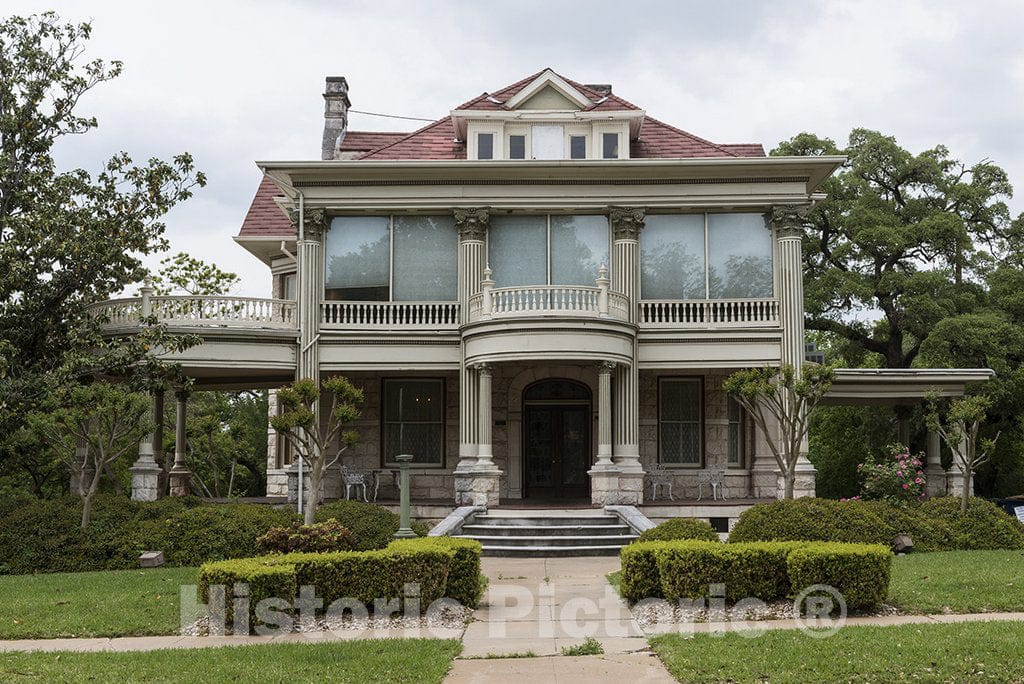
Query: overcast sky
x,y
234,82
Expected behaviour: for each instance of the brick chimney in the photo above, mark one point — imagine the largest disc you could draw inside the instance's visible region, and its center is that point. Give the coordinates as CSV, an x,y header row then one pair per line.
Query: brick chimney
x,y
336,106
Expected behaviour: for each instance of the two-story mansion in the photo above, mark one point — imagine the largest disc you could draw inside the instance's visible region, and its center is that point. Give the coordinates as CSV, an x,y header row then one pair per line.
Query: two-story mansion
x,y
540,293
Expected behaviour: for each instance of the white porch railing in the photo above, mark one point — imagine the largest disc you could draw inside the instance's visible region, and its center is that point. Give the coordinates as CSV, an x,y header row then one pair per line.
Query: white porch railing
x,y
371,315
201,311
548,300
709,313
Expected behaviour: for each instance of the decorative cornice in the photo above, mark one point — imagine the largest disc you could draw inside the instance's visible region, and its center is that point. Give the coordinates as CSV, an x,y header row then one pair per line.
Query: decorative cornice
x,y
472,224
627,222
789,219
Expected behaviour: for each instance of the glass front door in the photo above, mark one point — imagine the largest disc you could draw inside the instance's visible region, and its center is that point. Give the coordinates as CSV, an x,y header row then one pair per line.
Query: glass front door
x,y
556,450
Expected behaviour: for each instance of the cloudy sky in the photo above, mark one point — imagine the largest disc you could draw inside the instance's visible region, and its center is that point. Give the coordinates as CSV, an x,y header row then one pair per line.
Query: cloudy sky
x,y
233,82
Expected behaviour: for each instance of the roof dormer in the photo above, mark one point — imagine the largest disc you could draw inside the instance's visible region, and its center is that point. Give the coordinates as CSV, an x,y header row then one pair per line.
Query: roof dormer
x,y
550,92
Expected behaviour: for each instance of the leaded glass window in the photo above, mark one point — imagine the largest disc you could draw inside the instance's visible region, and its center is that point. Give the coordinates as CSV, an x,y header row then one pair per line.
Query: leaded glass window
x,y
413,416
735,437
679,421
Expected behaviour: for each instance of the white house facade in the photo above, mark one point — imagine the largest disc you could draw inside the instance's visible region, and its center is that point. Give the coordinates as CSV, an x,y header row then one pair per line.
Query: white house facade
x,y
540,294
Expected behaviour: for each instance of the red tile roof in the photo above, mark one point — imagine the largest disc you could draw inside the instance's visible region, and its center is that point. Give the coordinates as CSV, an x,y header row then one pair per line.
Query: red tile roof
x,y
364,141
437,141
265,218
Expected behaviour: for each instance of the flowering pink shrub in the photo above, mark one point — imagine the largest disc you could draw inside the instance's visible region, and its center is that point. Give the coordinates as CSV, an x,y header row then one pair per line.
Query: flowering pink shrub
x,y
900,478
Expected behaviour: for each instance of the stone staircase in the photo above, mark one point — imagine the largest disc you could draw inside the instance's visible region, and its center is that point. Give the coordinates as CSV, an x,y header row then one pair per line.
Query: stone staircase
x,y
532,533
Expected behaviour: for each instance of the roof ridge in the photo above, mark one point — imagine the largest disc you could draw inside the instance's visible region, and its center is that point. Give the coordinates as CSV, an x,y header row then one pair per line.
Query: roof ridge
x,y
407,136
647,117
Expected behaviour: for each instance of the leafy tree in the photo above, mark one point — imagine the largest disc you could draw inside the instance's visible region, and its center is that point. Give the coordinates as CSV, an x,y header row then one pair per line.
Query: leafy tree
x,y
959,430
314,439
183,273
109,421
68,238
901,235
777,397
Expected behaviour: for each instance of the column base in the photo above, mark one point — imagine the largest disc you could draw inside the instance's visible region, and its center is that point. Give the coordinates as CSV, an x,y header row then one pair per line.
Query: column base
x,y
145,481
764,483
477,487
936,481
955,483
181,481
610,486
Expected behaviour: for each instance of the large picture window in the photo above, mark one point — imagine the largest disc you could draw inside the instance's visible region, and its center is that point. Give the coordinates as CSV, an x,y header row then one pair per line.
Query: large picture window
x,y
680,430
401,258
547,250
706,256
413,420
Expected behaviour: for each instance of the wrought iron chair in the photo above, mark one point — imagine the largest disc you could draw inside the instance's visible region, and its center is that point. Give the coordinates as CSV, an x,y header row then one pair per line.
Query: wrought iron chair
x,y
715,478
353,478
659,476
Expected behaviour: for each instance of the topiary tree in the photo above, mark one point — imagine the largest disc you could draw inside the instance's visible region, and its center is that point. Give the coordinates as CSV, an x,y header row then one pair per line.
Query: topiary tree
x,y
784,398
959,431
312,438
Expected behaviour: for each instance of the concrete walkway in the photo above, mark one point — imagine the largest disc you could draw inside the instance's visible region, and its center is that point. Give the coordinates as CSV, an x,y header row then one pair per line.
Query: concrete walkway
x,y
538,606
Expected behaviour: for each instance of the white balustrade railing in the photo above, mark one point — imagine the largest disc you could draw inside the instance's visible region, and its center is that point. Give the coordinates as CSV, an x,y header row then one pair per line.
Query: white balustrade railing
x,y
390,314
189,310
709,313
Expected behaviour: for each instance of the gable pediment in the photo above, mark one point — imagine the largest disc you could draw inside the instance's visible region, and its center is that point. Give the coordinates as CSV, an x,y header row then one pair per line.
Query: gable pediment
x,y
550,99
550,87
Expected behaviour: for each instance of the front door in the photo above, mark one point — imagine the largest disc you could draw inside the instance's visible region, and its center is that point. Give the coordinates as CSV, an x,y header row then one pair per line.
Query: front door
x,y
556,445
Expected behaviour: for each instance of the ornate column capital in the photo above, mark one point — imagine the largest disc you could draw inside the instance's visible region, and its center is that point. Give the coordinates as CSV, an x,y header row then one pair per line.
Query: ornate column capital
x,y
483,368
472,224
627,222
789,219
606,367
316,223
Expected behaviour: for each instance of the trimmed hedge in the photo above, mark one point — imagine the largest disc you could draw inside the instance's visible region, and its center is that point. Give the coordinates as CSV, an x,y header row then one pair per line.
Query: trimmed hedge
x,y
687,569
935,525
371,525
321,537
464,578
45,535
680,528
438,566
859,571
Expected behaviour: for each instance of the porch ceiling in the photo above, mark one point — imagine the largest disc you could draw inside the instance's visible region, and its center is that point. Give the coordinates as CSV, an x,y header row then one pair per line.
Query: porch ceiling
x,y
873,386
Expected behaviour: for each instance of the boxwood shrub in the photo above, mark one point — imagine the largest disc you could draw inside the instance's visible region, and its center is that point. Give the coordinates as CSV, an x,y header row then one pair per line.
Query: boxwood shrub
x,y
464,578
371,526
680,528
934,525
859,571
438,566
686,570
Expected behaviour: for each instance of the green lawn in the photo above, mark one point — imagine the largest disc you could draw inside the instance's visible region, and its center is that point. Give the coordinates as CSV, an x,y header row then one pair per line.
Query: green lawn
x,y
87,604
958,582
989,651
407,660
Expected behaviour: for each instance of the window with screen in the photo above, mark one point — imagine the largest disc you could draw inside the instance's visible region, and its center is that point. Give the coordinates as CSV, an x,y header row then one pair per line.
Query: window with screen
x,y
413,420
736,445
680,438
610,145
577,147
517,147
485,146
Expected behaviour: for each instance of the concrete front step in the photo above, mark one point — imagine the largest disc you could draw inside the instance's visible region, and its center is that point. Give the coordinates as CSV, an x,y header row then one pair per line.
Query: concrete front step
x,y
550,551
543,530
619,539
543,521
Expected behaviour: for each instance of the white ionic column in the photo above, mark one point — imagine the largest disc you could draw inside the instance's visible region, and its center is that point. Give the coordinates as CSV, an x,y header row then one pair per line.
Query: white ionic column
x,y
604,415
180,475
788,222
484,448
310,274
472,227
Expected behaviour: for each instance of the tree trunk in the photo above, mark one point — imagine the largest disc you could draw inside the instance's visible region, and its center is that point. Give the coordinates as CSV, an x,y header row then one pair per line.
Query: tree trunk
x,y
313,500
231,479
965,496
86,510
789,476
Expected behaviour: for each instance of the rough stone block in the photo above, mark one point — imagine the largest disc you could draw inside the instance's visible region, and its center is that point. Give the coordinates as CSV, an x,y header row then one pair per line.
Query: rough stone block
x,y
151,559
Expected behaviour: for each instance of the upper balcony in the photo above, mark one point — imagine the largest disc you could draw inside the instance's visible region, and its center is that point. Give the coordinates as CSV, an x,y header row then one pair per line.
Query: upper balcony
x,y
194,311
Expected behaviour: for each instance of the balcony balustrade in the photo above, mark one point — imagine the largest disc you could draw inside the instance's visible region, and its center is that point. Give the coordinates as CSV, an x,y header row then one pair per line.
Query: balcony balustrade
x,y
709,313
198,311
390,315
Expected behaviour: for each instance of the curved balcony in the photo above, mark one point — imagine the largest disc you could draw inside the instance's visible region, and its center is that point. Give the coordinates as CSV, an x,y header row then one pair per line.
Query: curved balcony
x,y
568,301
197,311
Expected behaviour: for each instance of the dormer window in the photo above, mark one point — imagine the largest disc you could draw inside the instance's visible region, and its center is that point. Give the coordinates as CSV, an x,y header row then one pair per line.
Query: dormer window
x,y
517,147
577,147
485,146
610,145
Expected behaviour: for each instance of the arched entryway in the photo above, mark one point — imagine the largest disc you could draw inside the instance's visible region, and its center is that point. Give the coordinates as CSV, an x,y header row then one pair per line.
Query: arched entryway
x,y
556,439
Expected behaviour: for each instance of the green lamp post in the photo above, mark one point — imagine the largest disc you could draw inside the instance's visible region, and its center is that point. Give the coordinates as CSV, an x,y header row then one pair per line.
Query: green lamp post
x,y
404,529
